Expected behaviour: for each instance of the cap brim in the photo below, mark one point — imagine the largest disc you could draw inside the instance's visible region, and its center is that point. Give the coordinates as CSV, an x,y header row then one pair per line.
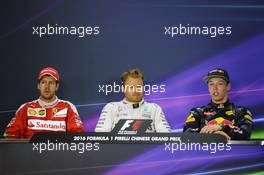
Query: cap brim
x,y
207,78
48,74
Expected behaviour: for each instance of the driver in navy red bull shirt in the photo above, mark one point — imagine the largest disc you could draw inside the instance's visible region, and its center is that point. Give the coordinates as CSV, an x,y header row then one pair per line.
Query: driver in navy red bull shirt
x,y
220,116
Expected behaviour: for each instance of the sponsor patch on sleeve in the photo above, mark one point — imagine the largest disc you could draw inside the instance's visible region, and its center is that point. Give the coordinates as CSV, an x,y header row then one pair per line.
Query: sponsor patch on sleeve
x,y
190,118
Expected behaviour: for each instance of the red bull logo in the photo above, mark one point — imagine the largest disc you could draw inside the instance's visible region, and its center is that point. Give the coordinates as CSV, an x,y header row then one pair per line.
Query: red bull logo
x,y
220,120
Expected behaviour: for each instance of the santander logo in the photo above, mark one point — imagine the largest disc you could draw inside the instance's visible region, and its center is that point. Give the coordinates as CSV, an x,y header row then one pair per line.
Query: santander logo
x,y
48,125
30,125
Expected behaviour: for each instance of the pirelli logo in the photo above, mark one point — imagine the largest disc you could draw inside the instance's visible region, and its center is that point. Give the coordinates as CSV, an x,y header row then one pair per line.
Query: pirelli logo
x,y
48,125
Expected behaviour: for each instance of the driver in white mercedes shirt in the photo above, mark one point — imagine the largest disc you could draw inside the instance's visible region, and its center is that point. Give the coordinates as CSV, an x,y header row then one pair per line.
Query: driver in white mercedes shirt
x,y
132,106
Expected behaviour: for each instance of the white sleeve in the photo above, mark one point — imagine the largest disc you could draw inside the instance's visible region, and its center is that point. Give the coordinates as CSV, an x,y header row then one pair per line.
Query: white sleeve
x,y
105,121
161,124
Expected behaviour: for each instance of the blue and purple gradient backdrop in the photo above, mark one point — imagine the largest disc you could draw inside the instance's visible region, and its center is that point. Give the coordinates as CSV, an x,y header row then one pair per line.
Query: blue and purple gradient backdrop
x,y
186,89
132,35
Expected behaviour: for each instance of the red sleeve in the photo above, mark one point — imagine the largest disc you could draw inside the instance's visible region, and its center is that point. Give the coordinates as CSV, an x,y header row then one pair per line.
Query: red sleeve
x,y
16,127
74,122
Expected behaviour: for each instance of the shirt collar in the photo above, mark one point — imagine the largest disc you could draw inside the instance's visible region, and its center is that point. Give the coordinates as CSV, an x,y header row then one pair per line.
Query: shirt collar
x,y
133,104
45,104
221,105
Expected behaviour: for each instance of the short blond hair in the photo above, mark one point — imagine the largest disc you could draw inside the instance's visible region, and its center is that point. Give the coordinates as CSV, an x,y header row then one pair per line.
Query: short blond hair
x,y
134,73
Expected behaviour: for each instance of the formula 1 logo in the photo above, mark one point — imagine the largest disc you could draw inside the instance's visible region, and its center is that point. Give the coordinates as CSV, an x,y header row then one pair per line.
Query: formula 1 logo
x,y
132,126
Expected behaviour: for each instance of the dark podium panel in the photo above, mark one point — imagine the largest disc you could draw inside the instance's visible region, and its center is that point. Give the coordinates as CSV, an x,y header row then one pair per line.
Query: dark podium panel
x,y
21,157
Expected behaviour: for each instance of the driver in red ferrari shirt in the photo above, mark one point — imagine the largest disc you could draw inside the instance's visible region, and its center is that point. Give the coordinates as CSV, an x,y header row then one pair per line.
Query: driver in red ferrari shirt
x,y
46,114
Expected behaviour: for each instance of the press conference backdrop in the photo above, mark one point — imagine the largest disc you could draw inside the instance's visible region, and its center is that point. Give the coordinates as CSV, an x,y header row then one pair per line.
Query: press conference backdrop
x,y
102,39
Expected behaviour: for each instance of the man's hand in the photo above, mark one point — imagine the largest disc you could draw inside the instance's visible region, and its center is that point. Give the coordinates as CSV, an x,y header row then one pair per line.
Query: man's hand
x,y
211,129
215,129
223,134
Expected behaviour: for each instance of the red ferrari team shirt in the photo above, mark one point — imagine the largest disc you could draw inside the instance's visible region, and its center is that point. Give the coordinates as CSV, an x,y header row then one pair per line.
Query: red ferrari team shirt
x,y
39,116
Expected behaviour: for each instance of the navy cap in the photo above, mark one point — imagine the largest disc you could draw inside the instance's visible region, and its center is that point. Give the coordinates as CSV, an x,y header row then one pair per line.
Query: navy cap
x,y
217,73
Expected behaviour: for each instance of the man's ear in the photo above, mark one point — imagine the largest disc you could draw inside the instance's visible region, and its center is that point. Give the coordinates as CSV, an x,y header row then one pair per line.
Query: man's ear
x,y
38,86
228,86
123,85
57,86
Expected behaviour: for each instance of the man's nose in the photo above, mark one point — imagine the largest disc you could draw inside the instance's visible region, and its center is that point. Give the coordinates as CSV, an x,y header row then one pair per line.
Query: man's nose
x,y
46,85
215,87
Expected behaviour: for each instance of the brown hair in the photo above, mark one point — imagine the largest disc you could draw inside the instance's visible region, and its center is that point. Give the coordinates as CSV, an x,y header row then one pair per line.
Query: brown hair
x,y
134,73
